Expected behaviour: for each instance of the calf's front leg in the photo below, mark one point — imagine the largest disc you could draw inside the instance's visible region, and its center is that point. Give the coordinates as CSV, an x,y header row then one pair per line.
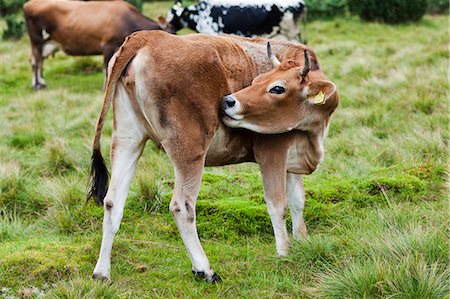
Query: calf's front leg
x,y
273,172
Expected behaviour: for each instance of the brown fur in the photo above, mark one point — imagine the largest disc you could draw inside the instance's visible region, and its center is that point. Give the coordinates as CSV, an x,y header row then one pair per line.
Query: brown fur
x,y
288,65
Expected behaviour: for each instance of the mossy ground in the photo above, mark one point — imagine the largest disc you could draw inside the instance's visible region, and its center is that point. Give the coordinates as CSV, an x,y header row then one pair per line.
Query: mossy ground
x,y
376,209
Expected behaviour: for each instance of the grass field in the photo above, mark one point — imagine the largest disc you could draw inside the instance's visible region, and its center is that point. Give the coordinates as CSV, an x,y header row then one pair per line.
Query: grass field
x,y
377,208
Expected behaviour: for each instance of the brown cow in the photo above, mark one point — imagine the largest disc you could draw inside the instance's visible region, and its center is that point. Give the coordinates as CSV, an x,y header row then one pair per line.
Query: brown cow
x,y
79,28
171,89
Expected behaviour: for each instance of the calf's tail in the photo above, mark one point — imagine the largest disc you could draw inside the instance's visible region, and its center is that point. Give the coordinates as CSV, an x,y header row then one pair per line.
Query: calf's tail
x,y
99,175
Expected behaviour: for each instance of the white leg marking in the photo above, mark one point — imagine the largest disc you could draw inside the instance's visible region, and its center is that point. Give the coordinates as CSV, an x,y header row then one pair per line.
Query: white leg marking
x,y
34,75
34,67
277,213
296,199
128,140
40,79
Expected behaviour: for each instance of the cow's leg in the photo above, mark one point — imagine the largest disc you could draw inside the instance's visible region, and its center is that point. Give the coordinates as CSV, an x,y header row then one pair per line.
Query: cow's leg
x,y
289,27
36,65
107,54
187,185
37,39
126,148
274,183
48,48
296,200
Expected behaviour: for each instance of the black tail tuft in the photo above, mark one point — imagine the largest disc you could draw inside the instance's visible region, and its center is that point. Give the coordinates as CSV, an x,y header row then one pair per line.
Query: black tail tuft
x,y
98,184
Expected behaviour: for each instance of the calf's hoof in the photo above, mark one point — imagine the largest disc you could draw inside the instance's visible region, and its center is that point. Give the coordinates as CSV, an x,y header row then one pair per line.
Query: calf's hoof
x,y
214,278
100,277
301,233
39,86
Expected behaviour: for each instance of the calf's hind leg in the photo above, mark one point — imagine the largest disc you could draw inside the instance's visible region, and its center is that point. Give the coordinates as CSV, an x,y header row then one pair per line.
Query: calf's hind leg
x,y
188,178
127,145
125,153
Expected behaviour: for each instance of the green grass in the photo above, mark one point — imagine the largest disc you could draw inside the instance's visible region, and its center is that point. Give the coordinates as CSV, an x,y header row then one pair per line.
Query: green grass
x,y
376,208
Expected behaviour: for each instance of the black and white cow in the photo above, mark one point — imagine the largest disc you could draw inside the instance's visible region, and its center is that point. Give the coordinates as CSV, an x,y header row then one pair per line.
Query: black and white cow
x,y
269,18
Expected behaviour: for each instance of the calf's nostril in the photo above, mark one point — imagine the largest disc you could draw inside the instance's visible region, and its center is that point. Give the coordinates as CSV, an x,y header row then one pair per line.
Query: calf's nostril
x,y
230,102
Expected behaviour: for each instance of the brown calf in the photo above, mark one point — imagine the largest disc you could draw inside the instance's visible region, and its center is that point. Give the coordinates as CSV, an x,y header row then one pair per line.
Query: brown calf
x,y
171,89
79,28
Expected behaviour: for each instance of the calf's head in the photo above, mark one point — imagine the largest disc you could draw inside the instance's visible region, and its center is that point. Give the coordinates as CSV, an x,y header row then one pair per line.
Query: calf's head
x,y
290,96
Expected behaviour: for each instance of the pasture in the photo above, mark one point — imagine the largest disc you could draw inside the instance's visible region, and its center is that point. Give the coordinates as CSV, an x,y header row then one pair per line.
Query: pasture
x,y
376,208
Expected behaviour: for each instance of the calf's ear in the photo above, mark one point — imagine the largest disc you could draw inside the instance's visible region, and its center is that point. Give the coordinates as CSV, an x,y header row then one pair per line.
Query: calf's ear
x,y
318,92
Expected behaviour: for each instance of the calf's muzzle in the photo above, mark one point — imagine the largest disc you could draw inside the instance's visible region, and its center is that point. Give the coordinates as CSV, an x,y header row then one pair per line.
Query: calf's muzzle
x,y
228,102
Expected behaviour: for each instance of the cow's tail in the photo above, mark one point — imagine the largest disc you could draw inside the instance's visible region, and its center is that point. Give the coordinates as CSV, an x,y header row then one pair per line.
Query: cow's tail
x,y
98,182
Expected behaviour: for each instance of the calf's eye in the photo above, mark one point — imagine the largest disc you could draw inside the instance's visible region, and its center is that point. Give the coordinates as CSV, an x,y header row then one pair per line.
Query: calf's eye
x,y
277,90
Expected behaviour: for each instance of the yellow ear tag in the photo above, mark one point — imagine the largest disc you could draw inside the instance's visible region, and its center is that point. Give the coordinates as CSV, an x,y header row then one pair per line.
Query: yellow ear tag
x,y
319,99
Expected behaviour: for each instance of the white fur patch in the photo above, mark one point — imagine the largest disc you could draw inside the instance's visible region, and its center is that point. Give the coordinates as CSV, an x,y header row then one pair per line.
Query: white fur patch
x,y
266,3
169,16
50,48
45,34
178,12
205,22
